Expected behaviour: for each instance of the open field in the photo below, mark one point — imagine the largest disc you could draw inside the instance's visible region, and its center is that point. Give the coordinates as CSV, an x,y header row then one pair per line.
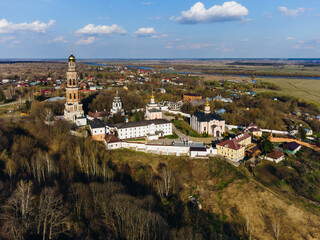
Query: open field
x,y
307,89
302,88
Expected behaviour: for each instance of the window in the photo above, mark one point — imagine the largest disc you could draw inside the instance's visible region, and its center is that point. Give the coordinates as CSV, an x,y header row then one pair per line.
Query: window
x,y
74,82
74,96
70,96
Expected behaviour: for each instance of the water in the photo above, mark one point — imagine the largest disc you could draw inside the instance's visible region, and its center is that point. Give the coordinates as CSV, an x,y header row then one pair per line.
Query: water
x,y
96,64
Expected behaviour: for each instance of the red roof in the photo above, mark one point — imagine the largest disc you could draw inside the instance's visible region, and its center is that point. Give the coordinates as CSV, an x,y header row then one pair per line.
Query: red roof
x,y
110,138
233,144
275,155
242,136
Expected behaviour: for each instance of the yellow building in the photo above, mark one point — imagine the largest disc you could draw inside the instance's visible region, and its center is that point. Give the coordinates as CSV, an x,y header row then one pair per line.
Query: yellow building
x,y
191,97
231,149
234,149
243,139
254,130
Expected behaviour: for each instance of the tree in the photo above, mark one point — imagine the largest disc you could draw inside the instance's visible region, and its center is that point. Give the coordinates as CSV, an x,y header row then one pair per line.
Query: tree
x,y
266,146
302,133
2,96
276,227
28,105
187,108
18,211
136,116
52,215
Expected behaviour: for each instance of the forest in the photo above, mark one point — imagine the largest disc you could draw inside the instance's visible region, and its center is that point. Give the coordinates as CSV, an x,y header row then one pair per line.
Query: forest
x,y
54,185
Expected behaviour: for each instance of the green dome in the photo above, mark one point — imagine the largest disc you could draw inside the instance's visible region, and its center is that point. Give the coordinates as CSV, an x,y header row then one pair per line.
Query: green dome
x,y
72,58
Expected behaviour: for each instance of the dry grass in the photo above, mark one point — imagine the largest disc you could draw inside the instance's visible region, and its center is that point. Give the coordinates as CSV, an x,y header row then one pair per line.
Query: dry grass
x,y
232,194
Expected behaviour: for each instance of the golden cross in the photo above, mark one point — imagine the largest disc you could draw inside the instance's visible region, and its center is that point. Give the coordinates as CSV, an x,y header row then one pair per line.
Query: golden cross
x,y
71,49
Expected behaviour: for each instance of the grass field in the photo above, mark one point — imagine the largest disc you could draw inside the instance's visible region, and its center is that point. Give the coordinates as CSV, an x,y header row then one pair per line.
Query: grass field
x,y
301,88
306,89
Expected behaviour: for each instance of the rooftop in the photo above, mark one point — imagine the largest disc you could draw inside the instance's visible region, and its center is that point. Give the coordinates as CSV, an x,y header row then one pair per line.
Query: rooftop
x,y
291,146
96,123
230,143
207,117
275,155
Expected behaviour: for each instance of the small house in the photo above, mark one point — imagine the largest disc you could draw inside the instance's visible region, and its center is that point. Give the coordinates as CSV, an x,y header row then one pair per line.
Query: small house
x,y
291,147
275,156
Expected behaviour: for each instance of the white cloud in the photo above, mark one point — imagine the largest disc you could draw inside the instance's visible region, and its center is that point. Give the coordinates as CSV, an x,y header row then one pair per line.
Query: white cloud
x,y
145,32
91,29
228,11
290,38
245,40
146,3
149,32
267,14
6,39
36,26
159,36
291,12
60,39
86,41
224,48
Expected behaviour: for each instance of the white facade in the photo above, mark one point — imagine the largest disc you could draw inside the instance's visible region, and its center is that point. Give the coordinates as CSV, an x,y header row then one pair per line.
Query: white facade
x,y
153,110
143,129
117,106
81,121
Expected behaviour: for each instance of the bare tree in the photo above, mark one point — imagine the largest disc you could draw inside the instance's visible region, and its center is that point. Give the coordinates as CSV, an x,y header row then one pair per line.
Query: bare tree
x,y
47,115
52,215
276,227
248,227
18,211
164,184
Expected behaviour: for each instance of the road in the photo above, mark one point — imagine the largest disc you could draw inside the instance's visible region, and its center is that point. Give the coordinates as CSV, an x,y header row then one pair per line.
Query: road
x,y
12,103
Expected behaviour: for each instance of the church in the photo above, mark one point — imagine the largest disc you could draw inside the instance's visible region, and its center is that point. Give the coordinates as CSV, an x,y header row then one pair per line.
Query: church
x,y
117,106
73,108
207,122
153,110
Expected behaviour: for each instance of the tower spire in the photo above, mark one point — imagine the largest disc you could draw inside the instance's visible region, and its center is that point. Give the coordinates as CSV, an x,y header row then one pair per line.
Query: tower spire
x,y
207,107
71,49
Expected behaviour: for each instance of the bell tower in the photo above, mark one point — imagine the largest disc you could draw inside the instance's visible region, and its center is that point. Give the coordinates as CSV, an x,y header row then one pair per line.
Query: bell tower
x,y
73,108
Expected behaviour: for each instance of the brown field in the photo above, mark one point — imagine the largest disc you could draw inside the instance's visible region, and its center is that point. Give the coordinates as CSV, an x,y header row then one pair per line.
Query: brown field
x,y
236,196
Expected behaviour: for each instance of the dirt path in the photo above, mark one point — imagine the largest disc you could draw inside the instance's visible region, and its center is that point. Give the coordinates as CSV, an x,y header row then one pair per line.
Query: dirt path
x,y
314,147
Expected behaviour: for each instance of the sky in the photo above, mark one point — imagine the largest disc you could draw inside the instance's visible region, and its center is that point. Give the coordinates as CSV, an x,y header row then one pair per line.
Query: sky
x,y
160,28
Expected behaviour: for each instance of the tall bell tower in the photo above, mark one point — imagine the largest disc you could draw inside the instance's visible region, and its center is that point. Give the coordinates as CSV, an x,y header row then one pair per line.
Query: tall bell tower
x,y
73,108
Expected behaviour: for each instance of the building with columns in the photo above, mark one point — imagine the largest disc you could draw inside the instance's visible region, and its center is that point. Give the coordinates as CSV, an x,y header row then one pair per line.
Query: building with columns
x,y
117,106
73,108
207,122
153,110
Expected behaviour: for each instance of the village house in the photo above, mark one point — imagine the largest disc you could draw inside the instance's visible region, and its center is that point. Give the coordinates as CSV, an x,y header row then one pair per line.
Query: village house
x,y
275,156
291,147
191,97
254,130
222,99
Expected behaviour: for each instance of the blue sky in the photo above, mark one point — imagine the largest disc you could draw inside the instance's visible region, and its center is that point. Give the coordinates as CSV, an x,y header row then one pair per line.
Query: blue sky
x,y
160,29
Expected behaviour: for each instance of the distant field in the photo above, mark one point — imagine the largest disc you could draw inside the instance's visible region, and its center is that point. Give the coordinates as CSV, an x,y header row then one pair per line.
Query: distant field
x,y
306,89
301,88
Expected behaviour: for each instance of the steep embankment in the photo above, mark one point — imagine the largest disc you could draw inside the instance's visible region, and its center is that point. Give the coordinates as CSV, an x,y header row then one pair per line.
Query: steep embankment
x,y
244,205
